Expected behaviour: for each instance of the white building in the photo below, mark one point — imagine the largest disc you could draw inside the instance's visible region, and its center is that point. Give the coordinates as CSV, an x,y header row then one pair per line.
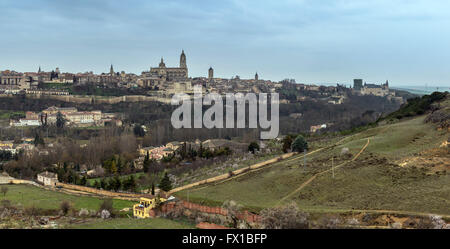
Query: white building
x,y
48,178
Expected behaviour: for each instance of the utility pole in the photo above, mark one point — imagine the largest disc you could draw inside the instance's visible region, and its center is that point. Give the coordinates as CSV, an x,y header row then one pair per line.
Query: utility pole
x,y
332,166
304,160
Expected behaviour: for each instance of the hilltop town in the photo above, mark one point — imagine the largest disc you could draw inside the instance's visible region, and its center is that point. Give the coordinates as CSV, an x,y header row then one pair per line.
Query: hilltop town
x,y
163,81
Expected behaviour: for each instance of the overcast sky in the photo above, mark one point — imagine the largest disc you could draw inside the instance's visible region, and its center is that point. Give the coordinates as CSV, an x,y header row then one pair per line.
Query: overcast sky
x,y
312,41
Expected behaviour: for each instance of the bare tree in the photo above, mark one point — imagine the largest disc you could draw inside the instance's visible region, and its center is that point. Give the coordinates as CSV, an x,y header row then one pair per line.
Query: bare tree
x,y
285,217
233,209
4,190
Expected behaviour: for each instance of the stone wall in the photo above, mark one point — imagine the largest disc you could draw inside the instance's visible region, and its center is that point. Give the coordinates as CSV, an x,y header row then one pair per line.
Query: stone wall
x,y
96,99
250,218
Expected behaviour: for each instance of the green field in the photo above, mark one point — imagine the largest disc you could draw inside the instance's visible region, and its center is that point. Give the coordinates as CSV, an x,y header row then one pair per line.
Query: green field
x,y
131,223
4,114
27,196
373,181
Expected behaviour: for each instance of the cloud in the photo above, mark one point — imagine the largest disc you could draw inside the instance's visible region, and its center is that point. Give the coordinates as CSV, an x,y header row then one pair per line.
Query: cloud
x,y
327,40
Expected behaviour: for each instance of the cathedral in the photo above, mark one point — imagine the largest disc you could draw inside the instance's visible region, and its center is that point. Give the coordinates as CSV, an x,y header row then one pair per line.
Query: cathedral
x,y
171,73
160,77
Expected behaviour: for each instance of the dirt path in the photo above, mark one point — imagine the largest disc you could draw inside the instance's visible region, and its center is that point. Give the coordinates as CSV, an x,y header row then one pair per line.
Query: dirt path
x,y
260,168
323,172
255,167
235,173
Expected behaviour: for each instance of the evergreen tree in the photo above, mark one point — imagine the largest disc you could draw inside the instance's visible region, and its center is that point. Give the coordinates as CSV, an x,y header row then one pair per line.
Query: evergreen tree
x,y
299,144
60,120
132,184
146,164
103,183
83,181
119,165
96,184
138,130
113,169
253,146
117,183
38,140
165,183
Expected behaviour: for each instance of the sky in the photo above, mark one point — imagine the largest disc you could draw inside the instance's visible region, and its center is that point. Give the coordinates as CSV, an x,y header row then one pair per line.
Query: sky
x,y
404,41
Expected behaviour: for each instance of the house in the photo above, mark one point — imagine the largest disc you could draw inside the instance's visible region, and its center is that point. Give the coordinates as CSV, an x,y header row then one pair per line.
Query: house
x,y
156,153
315,128
142,210
145,150
174,145
8,146
25,122
48,178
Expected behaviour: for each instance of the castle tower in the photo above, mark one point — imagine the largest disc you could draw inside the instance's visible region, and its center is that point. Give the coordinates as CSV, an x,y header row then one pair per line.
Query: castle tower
x,y
183,60
256,76
210,73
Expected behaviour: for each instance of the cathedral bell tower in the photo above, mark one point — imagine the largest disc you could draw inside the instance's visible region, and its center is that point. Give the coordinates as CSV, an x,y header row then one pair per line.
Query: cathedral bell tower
x,y
183,60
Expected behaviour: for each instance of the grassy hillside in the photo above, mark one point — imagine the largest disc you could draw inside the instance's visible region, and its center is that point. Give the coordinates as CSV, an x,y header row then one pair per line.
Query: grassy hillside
x,y
374,180
418,105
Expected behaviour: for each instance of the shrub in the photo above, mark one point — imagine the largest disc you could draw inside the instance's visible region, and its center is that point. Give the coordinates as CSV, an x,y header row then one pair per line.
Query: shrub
x,y
31,211
6,203
253,146
4,190
65,207
233,210
107,204
286,217
329,222
105,214
299,144
83,212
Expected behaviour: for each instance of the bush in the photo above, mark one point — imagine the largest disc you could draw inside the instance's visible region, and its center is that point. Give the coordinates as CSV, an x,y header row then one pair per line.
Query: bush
x,y
107,204
253,146
286,217
299,144
233,210
83,212
6,203
32,211
329,222
4,190
65,207
105,214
